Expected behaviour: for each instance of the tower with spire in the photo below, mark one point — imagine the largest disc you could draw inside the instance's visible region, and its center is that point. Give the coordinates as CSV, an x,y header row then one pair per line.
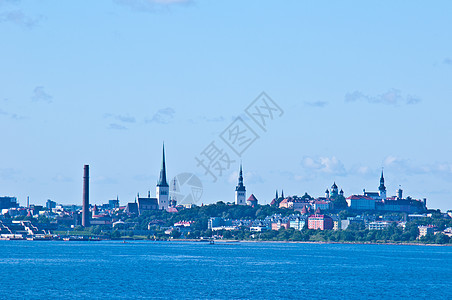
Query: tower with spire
x,y
162,189
240,191
334,191
382,187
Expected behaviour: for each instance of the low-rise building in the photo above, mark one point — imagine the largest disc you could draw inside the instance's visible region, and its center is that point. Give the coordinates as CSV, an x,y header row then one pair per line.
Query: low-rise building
x,y
322,204
428,229
351,220
297,223
378,225
280,224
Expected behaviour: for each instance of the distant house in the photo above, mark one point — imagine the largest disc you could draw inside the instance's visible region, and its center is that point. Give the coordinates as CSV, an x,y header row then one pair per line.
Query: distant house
x,y
280,223
322,222
131,208
146,204
8,202
322,204
425,230
378,225
298,223
350,220
361,202
252,201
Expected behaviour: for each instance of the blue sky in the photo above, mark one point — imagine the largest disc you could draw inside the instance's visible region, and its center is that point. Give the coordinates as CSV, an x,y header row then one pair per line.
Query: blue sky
x,y
362,86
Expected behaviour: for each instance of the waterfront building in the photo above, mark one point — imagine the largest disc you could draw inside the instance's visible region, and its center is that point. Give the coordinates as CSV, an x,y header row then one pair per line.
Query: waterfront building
x,y
428,229
378,225
298,223
336,222
240,190
351,220
322,222
280,223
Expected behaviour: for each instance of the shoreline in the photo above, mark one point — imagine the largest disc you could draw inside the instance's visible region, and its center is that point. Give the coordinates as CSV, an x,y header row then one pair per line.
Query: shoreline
x,y
229,241
305,242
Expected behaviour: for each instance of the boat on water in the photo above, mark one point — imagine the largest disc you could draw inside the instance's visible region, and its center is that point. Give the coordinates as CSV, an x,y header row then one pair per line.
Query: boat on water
x,y
40,238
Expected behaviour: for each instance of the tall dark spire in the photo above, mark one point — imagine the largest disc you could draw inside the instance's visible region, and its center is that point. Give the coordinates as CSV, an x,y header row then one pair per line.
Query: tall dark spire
x,y
240,186
162,179
382,182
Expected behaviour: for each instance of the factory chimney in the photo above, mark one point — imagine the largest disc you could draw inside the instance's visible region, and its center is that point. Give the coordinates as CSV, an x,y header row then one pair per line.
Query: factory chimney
x,y
85,212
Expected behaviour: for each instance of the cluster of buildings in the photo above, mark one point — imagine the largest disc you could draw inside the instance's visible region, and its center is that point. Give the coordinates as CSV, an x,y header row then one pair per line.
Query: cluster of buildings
x,y
312,213
320,221
368,201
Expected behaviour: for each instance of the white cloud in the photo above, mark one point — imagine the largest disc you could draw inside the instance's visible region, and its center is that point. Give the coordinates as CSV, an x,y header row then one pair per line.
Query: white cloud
x,y
39,94
115,126
407,167
162,116
150,5
327,165
390,97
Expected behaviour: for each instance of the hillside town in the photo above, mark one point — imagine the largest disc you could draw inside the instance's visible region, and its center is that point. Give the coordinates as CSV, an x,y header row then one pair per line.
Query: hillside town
x,y
285,218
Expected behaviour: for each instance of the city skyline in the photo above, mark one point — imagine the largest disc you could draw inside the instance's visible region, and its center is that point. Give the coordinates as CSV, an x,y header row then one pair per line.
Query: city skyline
x,y
361,86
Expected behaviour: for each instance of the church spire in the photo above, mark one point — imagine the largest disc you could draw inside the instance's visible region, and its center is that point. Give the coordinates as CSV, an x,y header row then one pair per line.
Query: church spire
x,y
240,186
241,175
162,179
382,182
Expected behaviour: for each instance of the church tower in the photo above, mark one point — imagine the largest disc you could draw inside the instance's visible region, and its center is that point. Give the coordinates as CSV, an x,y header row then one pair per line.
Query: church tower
x,y
382,187
240,191
162,190
334,191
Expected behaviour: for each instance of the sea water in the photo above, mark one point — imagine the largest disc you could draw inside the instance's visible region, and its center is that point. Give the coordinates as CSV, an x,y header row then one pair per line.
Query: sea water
x,y
182,270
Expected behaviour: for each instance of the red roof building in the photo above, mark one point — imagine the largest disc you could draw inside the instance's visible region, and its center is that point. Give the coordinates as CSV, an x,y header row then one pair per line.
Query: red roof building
x,y
252,201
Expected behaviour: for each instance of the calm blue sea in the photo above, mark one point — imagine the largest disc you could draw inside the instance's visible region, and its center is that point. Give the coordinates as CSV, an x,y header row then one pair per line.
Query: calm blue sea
x,y
181,270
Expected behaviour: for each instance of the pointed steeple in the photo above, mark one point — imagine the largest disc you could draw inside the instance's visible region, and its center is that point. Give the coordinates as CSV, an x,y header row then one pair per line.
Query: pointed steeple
x,y
162,179
382,187
276,194
241,175
282,194
240,186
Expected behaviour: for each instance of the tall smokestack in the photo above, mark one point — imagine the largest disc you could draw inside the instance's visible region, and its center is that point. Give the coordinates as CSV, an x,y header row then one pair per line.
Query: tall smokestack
x,y
85,212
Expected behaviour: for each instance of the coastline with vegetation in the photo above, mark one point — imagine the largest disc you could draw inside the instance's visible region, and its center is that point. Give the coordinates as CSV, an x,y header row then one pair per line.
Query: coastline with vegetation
x,y
160,225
